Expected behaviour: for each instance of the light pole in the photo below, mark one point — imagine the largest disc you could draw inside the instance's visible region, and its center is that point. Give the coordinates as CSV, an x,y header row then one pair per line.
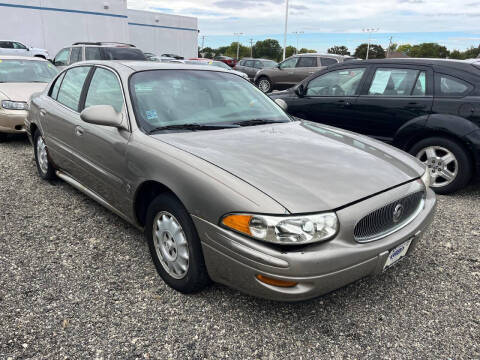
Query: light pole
x,y
238,42
286,26
369,31
298,33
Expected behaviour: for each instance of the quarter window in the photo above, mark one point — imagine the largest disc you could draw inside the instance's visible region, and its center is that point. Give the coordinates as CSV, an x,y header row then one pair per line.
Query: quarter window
x,y
451,86
307,62
71,88
289,63
397,82
328,61
56,87
343,82
104,90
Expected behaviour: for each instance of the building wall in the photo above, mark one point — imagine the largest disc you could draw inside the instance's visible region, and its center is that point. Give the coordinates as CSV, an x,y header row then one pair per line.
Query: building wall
x,y
54,24
163,33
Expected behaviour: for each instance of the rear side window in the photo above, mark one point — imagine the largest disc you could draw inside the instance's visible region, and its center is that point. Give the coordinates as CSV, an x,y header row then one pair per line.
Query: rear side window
x,y
249,63
258,64
446,85
93,53
76,55
71,88
6,45
397,82
56,87
307,62
328,61
104,90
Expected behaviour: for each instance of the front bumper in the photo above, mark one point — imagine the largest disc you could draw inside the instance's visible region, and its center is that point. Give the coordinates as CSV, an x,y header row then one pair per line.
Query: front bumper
x,y
12,121
235,260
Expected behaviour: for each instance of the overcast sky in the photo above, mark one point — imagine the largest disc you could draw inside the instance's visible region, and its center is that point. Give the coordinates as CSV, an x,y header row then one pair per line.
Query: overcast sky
x,y
454,23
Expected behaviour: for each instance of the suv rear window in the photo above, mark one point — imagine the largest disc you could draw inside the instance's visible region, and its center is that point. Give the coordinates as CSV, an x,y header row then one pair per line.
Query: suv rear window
x,y
122,53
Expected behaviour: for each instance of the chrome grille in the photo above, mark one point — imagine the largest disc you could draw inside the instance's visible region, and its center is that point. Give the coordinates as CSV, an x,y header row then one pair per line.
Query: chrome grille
x,y
387,219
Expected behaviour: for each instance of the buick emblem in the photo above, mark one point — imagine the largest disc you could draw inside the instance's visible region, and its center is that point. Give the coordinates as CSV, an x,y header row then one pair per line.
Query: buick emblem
x,y
397,213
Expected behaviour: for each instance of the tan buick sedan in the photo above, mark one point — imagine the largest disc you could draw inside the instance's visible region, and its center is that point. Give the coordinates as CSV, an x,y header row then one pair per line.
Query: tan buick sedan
x,y
20,77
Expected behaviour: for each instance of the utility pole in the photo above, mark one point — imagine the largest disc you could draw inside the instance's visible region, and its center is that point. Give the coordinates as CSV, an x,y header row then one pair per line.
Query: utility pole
x,y
251,48
298,35
238,42
389,46
203,41
286,28
369,31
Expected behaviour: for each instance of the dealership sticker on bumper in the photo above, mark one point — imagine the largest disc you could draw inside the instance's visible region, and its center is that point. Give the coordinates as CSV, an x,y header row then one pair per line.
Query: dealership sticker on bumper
x,y
397,253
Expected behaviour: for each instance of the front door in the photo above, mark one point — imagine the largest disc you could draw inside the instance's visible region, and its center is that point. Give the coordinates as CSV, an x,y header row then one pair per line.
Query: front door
x,y
286,71
392,96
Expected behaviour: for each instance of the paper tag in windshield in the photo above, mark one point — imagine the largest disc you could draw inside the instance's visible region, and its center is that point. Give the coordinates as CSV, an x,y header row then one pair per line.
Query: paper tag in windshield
x,y
151,114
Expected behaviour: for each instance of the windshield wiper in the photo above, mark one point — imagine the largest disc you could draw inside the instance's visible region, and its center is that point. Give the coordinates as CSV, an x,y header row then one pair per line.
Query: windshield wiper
x,y
191,127
253,122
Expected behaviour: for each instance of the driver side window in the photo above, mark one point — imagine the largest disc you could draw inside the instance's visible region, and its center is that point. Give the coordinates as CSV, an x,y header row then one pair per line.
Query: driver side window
x,y
62,57
343,82
19,46
289,63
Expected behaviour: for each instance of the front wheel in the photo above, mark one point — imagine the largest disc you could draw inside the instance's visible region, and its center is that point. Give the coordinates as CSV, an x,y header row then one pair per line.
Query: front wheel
x,y
447,161
174,245
264,84
44,167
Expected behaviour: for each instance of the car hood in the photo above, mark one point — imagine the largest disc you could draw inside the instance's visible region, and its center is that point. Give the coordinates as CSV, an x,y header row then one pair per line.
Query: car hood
x,y
20,91
304,166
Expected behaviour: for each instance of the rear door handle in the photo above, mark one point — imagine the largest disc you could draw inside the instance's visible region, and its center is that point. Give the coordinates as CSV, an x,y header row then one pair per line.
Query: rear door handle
x,y
79,131
344,103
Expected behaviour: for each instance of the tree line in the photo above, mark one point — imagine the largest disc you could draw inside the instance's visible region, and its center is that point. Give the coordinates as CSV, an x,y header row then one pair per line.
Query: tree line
x,y
271,49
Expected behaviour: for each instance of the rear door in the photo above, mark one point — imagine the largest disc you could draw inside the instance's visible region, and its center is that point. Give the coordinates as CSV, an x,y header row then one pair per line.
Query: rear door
x,y
6,48
306,66
249,68
63,119
392,96
330,97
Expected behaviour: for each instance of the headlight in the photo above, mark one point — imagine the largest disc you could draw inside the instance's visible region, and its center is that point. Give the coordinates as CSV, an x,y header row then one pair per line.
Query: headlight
x,y
14,105
426,178
287,230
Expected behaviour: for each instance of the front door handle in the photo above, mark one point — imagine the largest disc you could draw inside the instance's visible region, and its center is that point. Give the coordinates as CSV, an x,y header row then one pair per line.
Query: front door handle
x,y
344,103
414,105
43,112
79,131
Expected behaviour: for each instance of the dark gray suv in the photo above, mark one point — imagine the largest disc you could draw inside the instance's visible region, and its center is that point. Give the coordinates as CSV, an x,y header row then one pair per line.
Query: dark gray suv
x,y
294,69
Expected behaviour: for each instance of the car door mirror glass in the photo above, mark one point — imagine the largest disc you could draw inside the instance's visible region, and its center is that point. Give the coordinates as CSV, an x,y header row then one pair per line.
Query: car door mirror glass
x,y
104,115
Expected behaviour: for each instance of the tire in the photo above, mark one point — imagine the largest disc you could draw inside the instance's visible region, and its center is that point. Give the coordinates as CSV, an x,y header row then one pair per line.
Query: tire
x,y
3,137
264,84
169,248
44,166
433,152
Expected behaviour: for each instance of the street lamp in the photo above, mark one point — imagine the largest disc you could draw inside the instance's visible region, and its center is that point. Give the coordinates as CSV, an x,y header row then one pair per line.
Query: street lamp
x,y
298,33
369,31
238,42
286,25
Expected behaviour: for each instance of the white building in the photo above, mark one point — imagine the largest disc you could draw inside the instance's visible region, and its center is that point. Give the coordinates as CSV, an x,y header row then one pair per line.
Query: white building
x,y
54,24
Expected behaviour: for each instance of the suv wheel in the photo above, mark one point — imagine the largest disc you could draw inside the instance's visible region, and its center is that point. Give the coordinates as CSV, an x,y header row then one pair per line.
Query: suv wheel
x,y
174,245
448,162
45,169
264,84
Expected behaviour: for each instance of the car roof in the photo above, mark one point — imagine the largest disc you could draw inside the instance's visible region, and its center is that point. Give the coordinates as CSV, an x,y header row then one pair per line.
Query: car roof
x,y
458,64
325,55
16,57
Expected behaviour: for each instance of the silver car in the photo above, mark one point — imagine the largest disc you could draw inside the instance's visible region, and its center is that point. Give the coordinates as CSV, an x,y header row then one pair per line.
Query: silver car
x,y
225,185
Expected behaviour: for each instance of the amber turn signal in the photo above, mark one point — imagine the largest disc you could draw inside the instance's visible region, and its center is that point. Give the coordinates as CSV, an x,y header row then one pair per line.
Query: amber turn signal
x,y
276,282
239,223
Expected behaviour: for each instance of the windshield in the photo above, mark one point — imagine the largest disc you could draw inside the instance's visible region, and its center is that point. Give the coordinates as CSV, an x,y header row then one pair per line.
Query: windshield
x,y
19,71
221,65
269,63
123,53
176,97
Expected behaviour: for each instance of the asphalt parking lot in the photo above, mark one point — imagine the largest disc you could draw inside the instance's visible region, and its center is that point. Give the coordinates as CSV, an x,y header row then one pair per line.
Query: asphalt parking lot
x,y
77,282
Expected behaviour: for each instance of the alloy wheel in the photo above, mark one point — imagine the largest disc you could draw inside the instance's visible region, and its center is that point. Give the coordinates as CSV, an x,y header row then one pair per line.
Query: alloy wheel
x,y
264,85
170,245
42,155
441,163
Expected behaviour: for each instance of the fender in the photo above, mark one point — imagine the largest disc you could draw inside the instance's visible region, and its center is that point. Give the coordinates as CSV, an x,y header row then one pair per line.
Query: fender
x,y
409,130
453,124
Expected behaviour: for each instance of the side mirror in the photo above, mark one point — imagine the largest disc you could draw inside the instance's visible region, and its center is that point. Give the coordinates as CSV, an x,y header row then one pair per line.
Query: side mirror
x,y
282,104
104,115
300,90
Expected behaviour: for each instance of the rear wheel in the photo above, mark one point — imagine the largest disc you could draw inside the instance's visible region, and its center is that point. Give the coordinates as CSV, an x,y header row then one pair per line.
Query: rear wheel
x,y
264,84
44,167
447,161
174,245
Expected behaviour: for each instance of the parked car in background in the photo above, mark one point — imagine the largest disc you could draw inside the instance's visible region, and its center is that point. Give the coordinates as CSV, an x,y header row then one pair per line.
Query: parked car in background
x,y
252,66
226,59
16,48
225,185
153,57
81,51
294,69
210,62
20,77
175,56
429,108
